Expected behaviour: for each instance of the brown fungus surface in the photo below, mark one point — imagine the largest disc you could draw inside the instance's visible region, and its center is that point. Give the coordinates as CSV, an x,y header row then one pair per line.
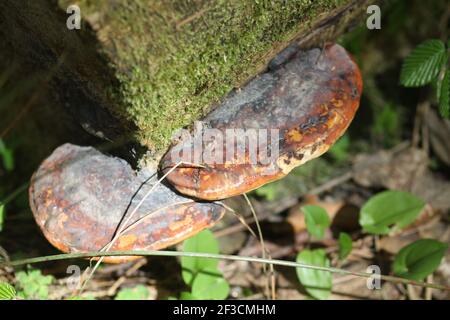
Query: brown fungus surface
x,y
79,197
310,100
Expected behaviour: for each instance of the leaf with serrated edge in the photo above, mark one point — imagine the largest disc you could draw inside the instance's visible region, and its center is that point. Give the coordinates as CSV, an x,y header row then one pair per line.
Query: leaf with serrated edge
x,y
444,96
423,64
7,291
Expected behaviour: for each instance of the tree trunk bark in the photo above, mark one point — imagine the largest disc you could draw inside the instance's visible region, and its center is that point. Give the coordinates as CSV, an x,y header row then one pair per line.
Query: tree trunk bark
x,y
141,69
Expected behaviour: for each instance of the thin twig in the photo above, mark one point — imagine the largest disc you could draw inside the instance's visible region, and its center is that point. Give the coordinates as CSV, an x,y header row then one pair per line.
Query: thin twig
x,y
331,183
241,220
429,291
142,219
191,18
113,289
271,283
123,225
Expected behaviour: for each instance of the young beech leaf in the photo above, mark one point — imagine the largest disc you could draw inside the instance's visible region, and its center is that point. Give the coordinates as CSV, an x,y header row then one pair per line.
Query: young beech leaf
x,y
389,208
210,284
203,242
7,291
423,64
444,95
345,245
316,282
317,220
419,259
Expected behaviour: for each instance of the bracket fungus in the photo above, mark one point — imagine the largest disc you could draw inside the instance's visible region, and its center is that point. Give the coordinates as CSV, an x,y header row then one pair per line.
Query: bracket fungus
x,y
308,102
302,104
79,196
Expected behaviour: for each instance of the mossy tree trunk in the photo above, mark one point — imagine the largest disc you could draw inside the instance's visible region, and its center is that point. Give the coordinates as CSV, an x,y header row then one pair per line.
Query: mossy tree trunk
x,y
143,68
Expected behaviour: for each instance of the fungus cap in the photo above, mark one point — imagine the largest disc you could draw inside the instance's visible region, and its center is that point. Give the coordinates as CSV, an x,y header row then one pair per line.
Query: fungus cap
x,y
310,101
79,197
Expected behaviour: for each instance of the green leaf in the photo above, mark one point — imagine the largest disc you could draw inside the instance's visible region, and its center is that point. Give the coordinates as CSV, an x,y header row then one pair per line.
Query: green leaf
x,y
423,64
139,292
210,284
419,259
268,191
444,95
345,245
33,284
317,220
185,295
7,156
2,215
7,291
316,282
202,242
389,208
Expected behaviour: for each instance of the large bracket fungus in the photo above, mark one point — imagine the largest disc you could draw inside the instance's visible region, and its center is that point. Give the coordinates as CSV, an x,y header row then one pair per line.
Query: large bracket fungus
x,y
310,101
80,197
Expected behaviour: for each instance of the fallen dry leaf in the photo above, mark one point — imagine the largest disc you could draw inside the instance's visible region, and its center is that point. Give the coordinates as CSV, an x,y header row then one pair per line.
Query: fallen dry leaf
x,y
405,170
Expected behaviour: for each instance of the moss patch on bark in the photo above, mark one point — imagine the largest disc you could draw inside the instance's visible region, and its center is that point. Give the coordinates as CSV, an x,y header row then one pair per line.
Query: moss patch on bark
x,y
175,59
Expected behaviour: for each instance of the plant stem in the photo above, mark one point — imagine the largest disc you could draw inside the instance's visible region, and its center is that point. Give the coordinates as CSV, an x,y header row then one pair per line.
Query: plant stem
x,y
218,256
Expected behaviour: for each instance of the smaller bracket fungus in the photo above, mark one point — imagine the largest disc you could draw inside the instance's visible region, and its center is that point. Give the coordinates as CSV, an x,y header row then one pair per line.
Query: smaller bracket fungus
x,y
79,197
281,119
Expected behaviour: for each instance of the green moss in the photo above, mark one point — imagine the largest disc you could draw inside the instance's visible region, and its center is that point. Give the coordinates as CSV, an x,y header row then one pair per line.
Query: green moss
x,y
174,59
